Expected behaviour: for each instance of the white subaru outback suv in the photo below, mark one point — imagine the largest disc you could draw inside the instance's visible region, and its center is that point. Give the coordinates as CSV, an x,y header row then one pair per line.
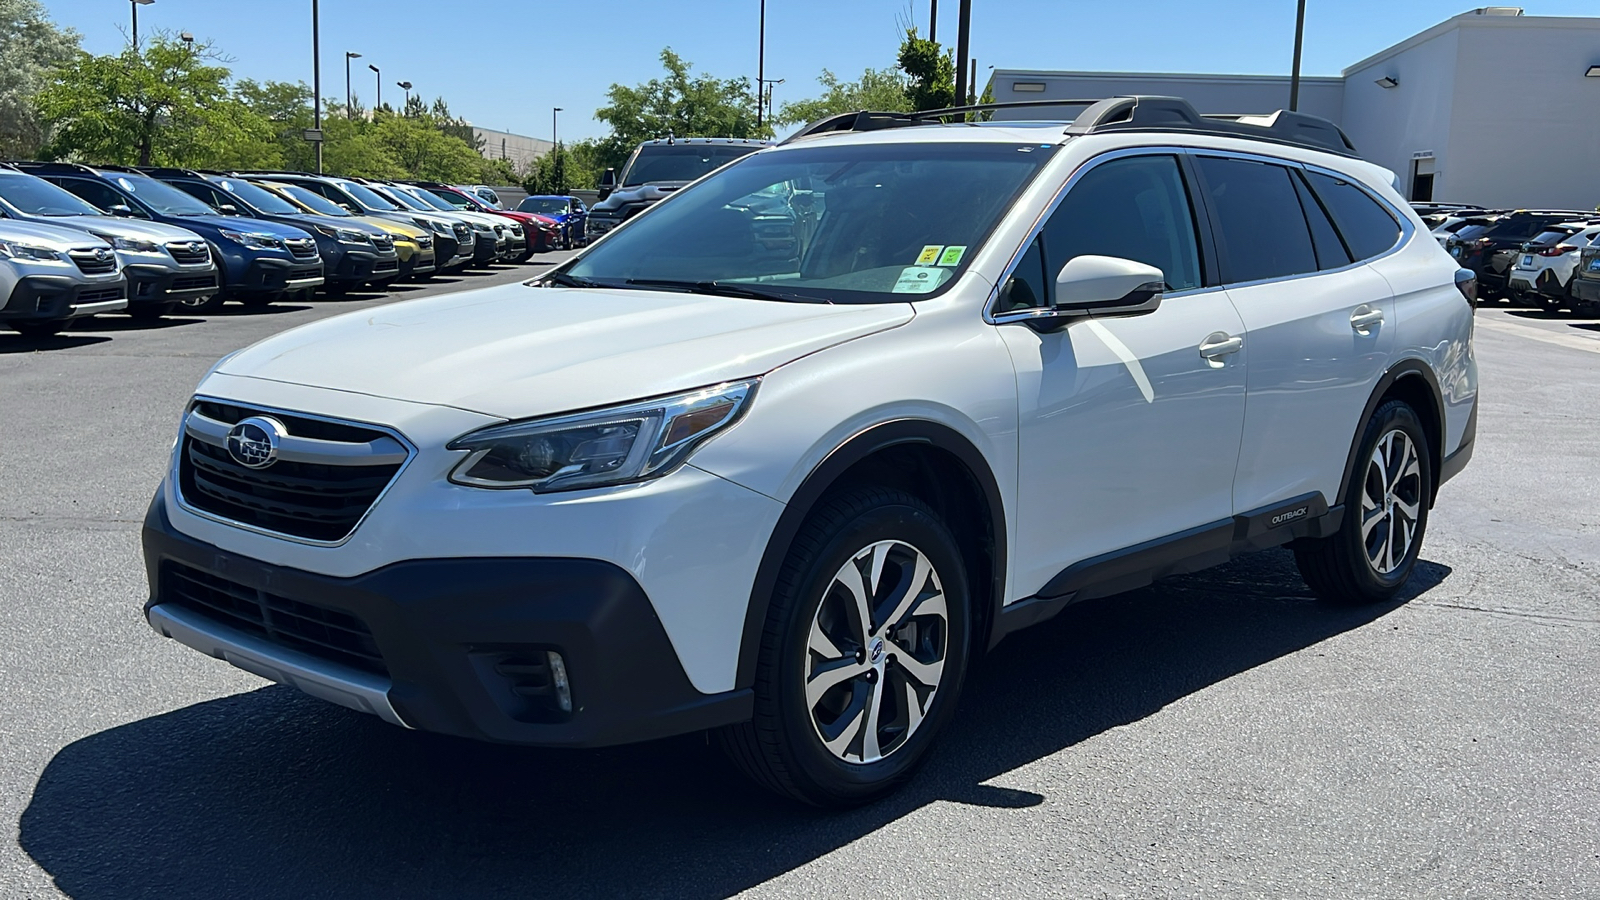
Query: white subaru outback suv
x,y
787,491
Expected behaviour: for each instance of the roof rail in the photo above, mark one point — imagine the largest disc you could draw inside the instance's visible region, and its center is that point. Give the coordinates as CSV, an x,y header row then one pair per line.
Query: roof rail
x,y
1131,113
158,171
28,165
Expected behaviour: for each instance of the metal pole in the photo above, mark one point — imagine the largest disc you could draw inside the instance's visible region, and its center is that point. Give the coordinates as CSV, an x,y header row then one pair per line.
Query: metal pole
x,y
378,80
933,21
135,5
553,138
761,62
316,81
347,94
1299,37
963,42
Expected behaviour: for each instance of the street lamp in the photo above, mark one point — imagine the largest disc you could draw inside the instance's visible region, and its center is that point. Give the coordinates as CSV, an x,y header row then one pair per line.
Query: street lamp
x,y
1294,76
188,41
761,61
347,95
553,141
316,84
136,4
770,84
405,86
379,82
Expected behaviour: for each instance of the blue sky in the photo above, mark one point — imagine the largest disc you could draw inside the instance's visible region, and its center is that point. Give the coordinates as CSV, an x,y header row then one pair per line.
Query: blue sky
x,y
505,65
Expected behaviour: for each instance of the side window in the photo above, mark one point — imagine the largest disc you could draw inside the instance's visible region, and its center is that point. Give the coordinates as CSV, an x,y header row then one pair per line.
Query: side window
x,y
101,195
1134,208
1025,289
1258,215
1331,252
204,193
1367,227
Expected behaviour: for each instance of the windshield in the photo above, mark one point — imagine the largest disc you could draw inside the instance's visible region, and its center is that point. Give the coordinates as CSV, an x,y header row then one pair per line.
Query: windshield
x,y
403,199
550,206
435,201
680,162
260,198
311,200
367,197
165,199
843,224
459,201
37,197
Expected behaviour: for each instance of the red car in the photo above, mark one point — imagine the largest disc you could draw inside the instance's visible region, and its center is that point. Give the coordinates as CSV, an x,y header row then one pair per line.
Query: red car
x,y
542,233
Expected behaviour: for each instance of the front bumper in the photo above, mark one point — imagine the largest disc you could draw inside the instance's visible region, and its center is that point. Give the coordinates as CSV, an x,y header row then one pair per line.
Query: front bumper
x,y
152,284
354,267
420,263
266,275
60,297
450,633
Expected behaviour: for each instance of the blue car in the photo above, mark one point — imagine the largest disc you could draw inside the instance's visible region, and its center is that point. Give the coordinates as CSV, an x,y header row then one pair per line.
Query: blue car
x,y
569,212
260,260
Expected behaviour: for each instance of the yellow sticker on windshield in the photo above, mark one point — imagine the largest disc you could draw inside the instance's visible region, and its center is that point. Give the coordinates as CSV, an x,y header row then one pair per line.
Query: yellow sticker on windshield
x,y
930,253
952,255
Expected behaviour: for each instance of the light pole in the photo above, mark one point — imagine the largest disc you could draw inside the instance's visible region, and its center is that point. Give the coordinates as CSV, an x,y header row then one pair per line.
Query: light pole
x,y
553,141
1294,77
348,106
378,80
405,86
761,61
933,21
316,83
770,84
963,46
136,4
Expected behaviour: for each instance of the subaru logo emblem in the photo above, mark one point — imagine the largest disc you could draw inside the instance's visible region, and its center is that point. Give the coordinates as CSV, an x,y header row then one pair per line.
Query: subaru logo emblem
x,y
875,655
253,443
194,247
102,254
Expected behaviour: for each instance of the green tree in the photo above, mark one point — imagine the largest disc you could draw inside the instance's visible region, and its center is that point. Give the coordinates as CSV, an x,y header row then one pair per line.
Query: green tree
x,y
881,90
30,46
682,103
931,71
167,104
423,150
288,108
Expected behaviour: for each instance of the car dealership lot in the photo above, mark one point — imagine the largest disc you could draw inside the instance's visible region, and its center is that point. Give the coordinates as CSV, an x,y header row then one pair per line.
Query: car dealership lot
x,y
1214,735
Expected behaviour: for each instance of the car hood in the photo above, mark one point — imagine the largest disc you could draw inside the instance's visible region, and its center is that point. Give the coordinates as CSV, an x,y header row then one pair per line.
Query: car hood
x,y
244,224
51,237
650,192
117,226
516,351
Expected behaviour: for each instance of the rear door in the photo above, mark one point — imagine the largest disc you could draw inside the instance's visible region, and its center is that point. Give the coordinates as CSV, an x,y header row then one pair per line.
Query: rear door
x,y
1319,323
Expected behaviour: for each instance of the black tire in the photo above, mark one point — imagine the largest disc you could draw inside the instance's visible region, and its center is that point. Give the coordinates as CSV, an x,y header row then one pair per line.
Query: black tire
x,y
38,328
782,748
150,312
193,307
1340,568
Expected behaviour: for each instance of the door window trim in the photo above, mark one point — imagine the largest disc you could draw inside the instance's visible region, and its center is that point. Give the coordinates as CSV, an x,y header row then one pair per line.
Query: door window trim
x,y
1210,245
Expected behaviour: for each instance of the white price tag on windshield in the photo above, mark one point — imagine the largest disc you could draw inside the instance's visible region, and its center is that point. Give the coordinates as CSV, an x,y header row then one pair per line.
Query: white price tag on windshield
x,y
918,280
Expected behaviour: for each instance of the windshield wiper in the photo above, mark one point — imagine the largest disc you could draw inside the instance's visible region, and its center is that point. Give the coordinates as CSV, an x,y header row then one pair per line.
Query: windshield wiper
x,y
726,289
566,280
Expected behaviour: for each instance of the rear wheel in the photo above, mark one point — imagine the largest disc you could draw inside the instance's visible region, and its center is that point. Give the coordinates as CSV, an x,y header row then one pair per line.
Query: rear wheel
x,y
1373,553
863,654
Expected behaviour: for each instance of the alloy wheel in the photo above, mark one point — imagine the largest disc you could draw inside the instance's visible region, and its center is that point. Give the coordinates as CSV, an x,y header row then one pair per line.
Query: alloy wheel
x,y
1391,502
876,652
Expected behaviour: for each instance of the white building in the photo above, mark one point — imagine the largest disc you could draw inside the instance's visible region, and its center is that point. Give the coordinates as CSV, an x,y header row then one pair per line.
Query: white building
x,y
1489,107
519,149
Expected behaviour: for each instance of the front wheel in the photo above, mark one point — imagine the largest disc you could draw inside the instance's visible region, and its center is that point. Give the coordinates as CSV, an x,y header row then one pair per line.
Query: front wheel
x,y
202,305
863,655
1371,556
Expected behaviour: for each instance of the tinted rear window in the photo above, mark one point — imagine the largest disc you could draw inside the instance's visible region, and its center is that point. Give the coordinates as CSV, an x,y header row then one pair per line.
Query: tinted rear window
x,y
1259,216
1367,227
1554,236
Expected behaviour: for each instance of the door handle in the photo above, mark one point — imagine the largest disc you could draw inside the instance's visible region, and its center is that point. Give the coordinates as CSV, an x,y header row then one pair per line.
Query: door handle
x,y
1219,344
1365,318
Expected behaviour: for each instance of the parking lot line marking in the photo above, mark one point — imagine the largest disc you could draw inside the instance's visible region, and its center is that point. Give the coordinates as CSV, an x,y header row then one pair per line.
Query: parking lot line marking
x,y
1576,342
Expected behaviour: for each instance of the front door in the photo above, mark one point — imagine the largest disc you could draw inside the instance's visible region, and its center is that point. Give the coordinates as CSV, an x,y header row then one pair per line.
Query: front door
x,y
1129,431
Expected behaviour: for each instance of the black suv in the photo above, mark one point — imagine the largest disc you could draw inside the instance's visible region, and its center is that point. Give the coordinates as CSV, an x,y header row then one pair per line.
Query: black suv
x,y
1489,253
655,170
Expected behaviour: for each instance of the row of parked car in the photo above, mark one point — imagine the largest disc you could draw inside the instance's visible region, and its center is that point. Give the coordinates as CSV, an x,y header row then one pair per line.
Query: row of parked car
x,y
1547,258
78,240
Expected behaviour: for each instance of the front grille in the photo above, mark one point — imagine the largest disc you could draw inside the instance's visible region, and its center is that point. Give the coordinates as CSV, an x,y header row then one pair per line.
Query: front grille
x,y
302,272
516,230
314,501
335,636
91,263
386,265
194,282
302,248
425,242
383,242
99,295
190,253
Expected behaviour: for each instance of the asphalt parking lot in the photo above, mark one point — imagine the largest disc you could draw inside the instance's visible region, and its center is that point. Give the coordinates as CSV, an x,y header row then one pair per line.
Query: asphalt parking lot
x,y
1217,735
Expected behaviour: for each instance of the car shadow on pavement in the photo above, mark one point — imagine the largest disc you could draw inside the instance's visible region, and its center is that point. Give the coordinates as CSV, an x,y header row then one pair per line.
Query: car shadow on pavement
x,y
269,309
16,343
274,794
128,323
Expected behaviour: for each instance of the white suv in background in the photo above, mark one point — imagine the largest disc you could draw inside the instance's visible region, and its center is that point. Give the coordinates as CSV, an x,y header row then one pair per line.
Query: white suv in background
x,y
698,479
1544,266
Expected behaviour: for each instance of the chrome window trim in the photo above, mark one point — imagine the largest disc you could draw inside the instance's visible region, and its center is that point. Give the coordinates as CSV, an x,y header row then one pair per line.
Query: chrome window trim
x,y
177,484
1407,230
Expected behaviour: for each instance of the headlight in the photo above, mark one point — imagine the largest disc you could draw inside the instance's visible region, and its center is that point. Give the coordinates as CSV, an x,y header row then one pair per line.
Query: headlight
x,y
482,228
602,447
343,235
253,240
433,225
14,250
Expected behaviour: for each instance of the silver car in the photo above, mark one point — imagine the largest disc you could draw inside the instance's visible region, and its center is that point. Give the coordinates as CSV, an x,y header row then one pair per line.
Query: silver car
x,y
50,276
168,268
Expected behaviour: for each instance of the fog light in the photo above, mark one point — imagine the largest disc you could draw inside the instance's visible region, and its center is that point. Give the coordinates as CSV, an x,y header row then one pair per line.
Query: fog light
x,y
558,677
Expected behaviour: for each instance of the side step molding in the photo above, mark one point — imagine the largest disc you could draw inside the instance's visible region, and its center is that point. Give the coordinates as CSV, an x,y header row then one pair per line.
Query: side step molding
x,y
1307,515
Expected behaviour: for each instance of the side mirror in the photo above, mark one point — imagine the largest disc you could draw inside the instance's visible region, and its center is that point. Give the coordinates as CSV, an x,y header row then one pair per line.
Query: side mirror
x,y
608,183
348,208
1108,286
120,209
228,209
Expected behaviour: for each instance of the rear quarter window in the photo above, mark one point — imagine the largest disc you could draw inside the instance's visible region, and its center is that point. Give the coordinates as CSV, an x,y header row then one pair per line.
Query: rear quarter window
x,y
1368,229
